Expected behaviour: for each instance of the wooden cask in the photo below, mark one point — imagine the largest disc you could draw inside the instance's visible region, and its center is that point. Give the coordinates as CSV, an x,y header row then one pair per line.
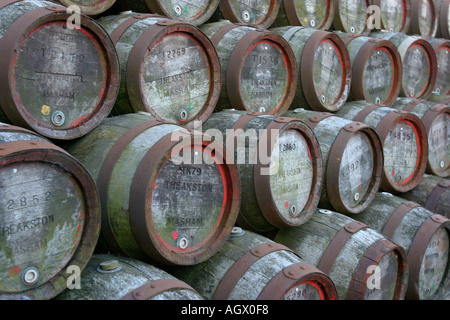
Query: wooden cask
x,y
419,64
424,18
423,234
259,71
317,14
395,15
280,166
194,12
170,68
259,14
351,16
325,75
404,140
433,193
112,277
50,216
168,195
436,119
443,30
89,7
363,264
55,79
442,49
376,69
352,156
442,99
252,267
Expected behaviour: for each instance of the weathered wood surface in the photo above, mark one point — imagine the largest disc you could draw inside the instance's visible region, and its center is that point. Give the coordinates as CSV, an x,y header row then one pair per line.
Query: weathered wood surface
x,y
352,160
164,200
281,183
57,80
318,14
177,79
443,30
324,68
351,16
433,193
259,71
266,265
50,216
259,14
195,12
376,69
419,63
312,240
422,234
442,49
424,18
435,117
395,15
112,277
89,7
404,139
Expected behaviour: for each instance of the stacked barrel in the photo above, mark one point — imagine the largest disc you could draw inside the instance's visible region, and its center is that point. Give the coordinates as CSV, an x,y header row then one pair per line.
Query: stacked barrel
x,y
223,150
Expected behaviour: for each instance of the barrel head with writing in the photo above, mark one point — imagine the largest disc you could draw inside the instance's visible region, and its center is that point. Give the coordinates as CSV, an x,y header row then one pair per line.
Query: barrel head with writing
x,y
395,15
61,81
442,49
49,221
316,14
351,16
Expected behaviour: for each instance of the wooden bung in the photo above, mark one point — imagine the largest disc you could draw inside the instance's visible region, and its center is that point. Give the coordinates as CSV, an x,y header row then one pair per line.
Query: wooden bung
x,y
112,277
50,216
170,68
349,252
252,267
352,158
423,234
55,79
404,140
168,195
280,167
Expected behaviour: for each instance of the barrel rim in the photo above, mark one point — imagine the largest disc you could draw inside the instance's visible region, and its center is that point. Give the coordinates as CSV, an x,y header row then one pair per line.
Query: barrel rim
x,y
307,84
50,153
364,53
437,45
415,13
266,22
443,18
237,59
142,189
92,10
9,49
142,47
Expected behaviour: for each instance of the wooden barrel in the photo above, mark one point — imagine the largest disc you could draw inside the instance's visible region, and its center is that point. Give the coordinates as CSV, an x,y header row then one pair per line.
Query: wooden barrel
x,y
352,156
351,16
404,140
363,264
419,64
56,80
324,68
170,68
424,18
442,49
50,216
89,7
436,119
317,14
194,12
376,69
252,267
442,99
433,193
164,200
443,30
259,14
423,234
395,15
280,167
259,71
112,277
